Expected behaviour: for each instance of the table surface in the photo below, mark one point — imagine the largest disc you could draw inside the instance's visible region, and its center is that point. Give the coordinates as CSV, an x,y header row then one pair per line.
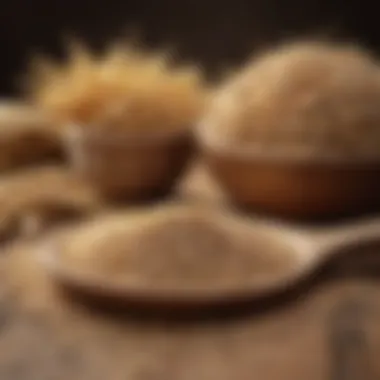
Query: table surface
x,y
326,330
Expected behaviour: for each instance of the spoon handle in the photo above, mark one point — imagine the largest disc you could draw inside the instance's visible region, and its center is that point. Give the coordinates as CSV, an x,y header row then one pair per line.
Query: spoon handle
x,y
332,242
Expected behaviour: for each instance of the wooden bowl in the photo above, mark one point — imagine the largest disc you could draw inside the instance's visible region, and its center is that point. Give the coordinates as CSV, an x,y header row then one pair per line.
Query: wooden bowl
x,y
126,167
296,188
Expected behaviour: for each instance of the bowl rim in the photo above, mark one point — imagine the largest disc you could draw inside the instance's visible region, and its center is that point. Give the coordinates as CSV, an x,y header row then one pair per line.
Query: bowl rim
x,y
257,153
76,132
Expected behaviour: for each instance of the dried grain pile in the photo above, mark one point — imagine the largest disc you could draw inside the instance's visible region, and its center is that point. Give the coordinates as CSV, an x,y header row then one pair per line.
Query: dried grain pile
x,y
175,249
127,87
303,98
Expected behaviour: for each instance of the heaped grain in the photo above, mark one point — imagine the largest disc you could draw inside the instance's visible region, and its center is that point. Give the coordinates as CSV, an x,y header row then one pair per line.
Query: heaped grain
x,y
184,249
126,88
310,98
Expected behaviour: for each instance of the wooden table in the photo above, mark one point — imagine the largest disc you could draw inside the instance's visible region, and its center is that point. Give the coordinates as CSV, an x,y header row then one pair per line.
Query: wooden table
x,y
313,334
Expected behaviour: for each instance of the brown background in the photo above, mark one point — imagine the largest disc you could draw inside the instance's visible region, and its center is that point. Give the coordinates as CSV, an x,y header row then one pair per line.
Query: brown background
x,y
214,32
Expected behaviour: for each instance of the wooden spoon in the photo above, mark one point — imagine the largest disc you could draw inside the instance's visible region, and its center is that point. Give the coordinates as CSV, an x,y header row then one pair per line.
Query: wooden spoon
x,y
308,251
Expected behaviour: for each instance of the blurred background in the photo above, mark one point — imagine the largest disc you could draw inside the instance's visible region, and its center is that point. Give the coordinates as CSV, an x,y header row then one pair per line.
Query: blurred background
x,y
216,33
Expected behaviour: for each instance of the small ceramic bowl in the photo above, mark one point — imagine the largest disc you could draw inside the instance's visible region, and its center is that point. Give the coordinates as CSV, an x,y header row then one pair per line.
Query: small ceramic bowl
x,y
298,187
129,167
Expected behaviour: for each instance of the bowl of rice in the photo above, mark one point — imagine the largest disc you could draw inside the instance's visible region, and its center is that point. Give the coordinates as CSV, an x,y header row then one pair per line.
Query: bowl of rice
x,y
296,133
